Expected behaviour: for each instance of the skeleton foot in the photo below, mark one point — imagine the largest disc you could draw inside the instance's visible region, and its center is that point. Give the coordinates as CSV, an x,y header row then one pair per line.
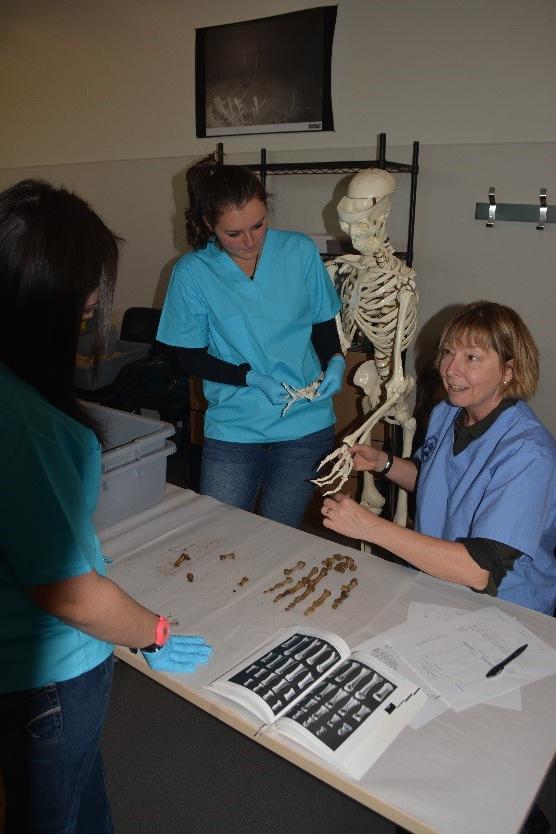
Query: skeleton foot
x,y
340,470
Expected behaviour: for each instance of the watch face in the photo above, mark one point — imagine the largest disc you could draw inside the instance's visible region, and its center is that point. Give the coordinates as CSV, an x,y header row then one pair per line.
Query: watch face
x,y
152,648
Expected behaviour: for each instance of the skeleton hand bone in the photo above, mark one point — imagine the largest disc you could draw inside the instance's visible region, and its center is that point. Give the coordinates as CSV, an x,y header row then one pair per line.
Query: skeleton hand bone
x,y
342,455
309,392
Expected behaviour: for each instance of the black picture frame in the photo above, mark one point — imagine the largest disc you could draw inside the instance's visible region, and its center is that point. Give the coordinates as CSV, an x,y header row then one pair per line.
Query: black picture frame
x,y
270,75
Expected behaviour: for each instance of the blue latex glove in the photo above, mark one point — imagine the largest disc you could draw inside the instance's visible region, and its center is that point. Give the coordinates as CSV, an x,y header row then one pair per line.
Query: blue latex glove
x,y
180,653
273,391
333,378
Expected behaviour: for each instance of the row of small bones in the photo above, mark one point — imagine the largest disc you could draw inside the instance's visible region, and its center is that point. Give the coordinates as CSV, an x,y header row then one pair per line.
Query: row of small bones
x,y
308,583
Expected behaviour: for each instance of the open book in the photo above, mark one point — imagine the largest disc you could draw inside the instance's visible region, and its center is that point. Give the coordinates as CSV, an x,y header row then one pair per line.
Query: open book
x,y
307,685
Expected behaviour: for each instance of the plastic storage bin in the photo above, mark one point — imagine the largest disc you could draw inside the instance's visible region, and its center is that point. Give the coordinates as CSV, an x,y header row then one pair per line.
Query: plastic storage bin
x,y
133,463
107,371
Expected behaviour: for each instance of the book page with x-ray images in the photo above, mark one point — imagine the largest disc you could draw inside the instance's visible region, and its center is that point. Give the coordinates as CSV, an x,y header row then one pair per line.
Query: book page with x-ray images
x,y
351,716
305,684
273,679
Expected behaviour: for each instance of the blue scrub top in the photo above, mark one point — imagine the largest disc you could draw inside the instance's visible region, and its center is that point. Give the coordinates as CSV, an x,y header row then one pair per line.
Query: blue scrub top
x,y
50,467
266,321
502,487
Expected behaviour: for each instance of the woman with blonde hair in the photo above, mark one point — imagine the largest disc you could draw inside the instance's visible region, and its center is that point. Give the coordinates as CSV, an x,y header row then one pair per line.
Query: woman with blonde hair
x,y
485,476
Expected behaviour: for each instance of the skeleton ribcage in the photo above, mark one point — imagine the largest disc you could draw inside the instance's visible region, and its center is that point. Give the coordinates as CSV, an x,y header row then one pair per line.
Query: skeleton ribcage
x,y
370,306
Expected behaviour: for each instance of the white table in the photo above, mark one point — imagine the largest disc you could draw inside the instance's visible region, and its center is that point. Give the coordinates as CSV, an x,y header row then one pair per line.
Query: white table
x,y
476,771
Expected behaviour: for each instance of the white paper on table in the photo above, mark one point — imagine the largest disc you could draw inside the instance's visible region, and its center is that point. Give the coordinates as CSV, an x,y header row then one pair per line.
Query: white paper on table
x,y
453,656
381,648
419,615
426,612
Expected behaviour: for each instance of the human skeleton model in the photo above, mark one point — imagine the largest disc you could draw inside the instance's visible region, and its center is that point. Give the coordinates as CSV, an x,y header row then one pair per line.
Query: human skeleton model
x,y
379,300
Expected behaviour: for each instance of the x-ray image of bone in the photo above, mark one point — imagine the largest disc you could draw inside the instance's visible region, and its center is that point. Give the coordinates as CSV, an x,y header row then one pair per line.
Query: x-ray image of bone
x,y
322,656
289,648
276,661
268,657
348,706
299,670
303,708
324,689
375,681
326,662
345,729
361,713
334,702
292,641
282,683
355,682
345,671
276,705
316,716
384,691
304,652
288,664
334,721
265,683
255,670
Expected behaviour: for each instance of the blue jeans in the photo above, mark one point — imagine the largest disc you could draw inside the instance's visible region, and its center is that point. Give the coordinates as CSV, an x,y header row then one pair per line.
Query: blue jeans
x,y
50,756
235,473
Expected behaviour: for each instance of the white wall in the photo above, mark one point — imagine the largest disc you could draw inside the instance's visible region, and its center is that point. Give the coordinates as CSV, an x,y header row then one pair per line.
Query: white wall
x,y
101,98
113,79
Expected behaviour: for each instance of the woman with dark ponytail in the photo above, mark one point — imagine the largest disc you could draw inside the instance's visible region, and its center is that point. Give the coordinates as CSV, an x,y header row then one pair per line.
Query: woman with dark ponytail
x,y
249,310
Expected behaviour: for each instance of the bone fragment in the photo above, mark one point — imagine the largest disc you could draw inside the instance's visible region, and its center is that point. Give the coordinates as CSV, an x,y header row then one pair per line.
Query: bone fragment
x,y
298,566
319,601
279,584
345,592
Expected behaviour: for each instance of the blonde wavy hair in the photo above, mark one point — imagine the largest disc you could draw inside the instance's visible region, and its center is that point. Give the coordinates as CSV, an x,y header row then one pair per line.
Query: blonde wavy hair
x,y
490,325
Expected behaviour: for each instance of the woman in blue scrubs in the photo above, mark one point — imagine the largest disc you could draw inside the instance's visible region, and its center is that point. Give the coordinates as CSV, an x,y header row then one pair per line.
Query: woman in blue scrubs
x,y
59,614
251,308
485,475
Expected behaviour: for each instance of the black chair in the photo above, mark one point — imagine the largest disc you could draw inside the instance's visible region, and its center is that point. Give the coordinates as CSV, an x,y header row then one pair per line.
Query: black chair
x,y
140,324
156,382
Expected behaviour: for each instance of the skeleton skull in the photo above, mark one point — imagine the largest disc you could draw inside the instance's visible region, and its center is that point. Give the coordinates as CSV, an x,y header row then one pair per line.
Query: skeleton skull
x,y
365,209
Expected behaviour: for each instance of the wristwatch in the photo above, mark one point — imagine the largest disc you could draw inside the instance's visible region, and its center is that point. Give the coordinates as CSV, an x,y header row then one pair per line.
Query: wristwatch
x,y
162,634
389,464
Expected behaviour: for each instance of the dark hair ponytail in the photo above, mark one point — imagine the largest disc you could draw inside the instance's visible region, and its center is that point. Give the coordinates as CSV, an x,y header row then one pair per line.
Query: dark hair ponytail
x,y
213,187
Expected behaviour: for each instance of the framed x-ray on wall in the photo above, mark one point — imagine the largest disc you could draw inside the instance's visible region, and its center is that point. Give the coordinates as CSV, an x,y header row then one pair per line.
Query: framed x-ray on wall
x,y
270,75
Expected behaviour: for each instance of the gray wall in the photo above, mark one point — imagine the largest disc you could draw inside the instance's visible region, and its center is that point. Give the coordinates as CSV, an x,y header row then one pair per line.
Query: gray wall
x,y
101,98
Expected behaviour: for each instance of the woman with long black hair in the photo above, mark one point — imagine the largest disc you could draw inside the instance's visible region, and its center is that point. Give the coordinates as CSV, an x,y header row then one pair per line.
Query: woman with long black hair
x,y
59,613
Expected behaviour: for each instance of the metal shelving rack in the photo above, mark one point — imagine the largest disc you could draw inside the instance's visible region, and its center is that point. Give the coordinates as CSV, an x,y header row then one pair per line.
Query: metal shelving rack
x,y
263,167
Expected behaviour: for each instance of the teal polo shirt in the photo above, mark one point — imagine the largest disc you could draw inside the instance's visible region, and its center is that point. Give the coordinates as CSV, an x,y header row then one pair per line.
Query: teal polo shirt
x,y
50,467
266,321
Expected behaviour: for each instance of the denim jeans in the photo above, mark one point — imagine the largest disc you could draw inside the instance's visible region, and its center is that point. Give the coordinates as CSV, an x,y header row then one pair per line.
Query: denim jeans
x,y
235,473
50,756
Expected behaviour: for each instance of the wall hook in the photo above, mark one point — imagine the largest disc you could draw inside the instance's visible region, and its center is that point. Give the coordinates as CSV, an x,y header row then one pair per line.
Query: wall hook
x,y
542,210
491,207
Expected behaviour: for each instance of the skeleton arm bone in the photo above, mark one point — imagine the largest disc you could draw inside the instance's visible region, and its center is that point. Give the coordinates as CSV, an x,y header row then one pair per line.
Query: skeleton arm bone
x,y
344,462
395,388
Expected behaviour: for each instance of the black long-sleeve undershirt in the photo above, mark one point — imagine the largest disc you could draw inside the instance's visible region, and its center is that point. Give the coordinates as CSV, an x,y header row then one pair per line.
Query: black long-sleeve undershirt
x,y
199,362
